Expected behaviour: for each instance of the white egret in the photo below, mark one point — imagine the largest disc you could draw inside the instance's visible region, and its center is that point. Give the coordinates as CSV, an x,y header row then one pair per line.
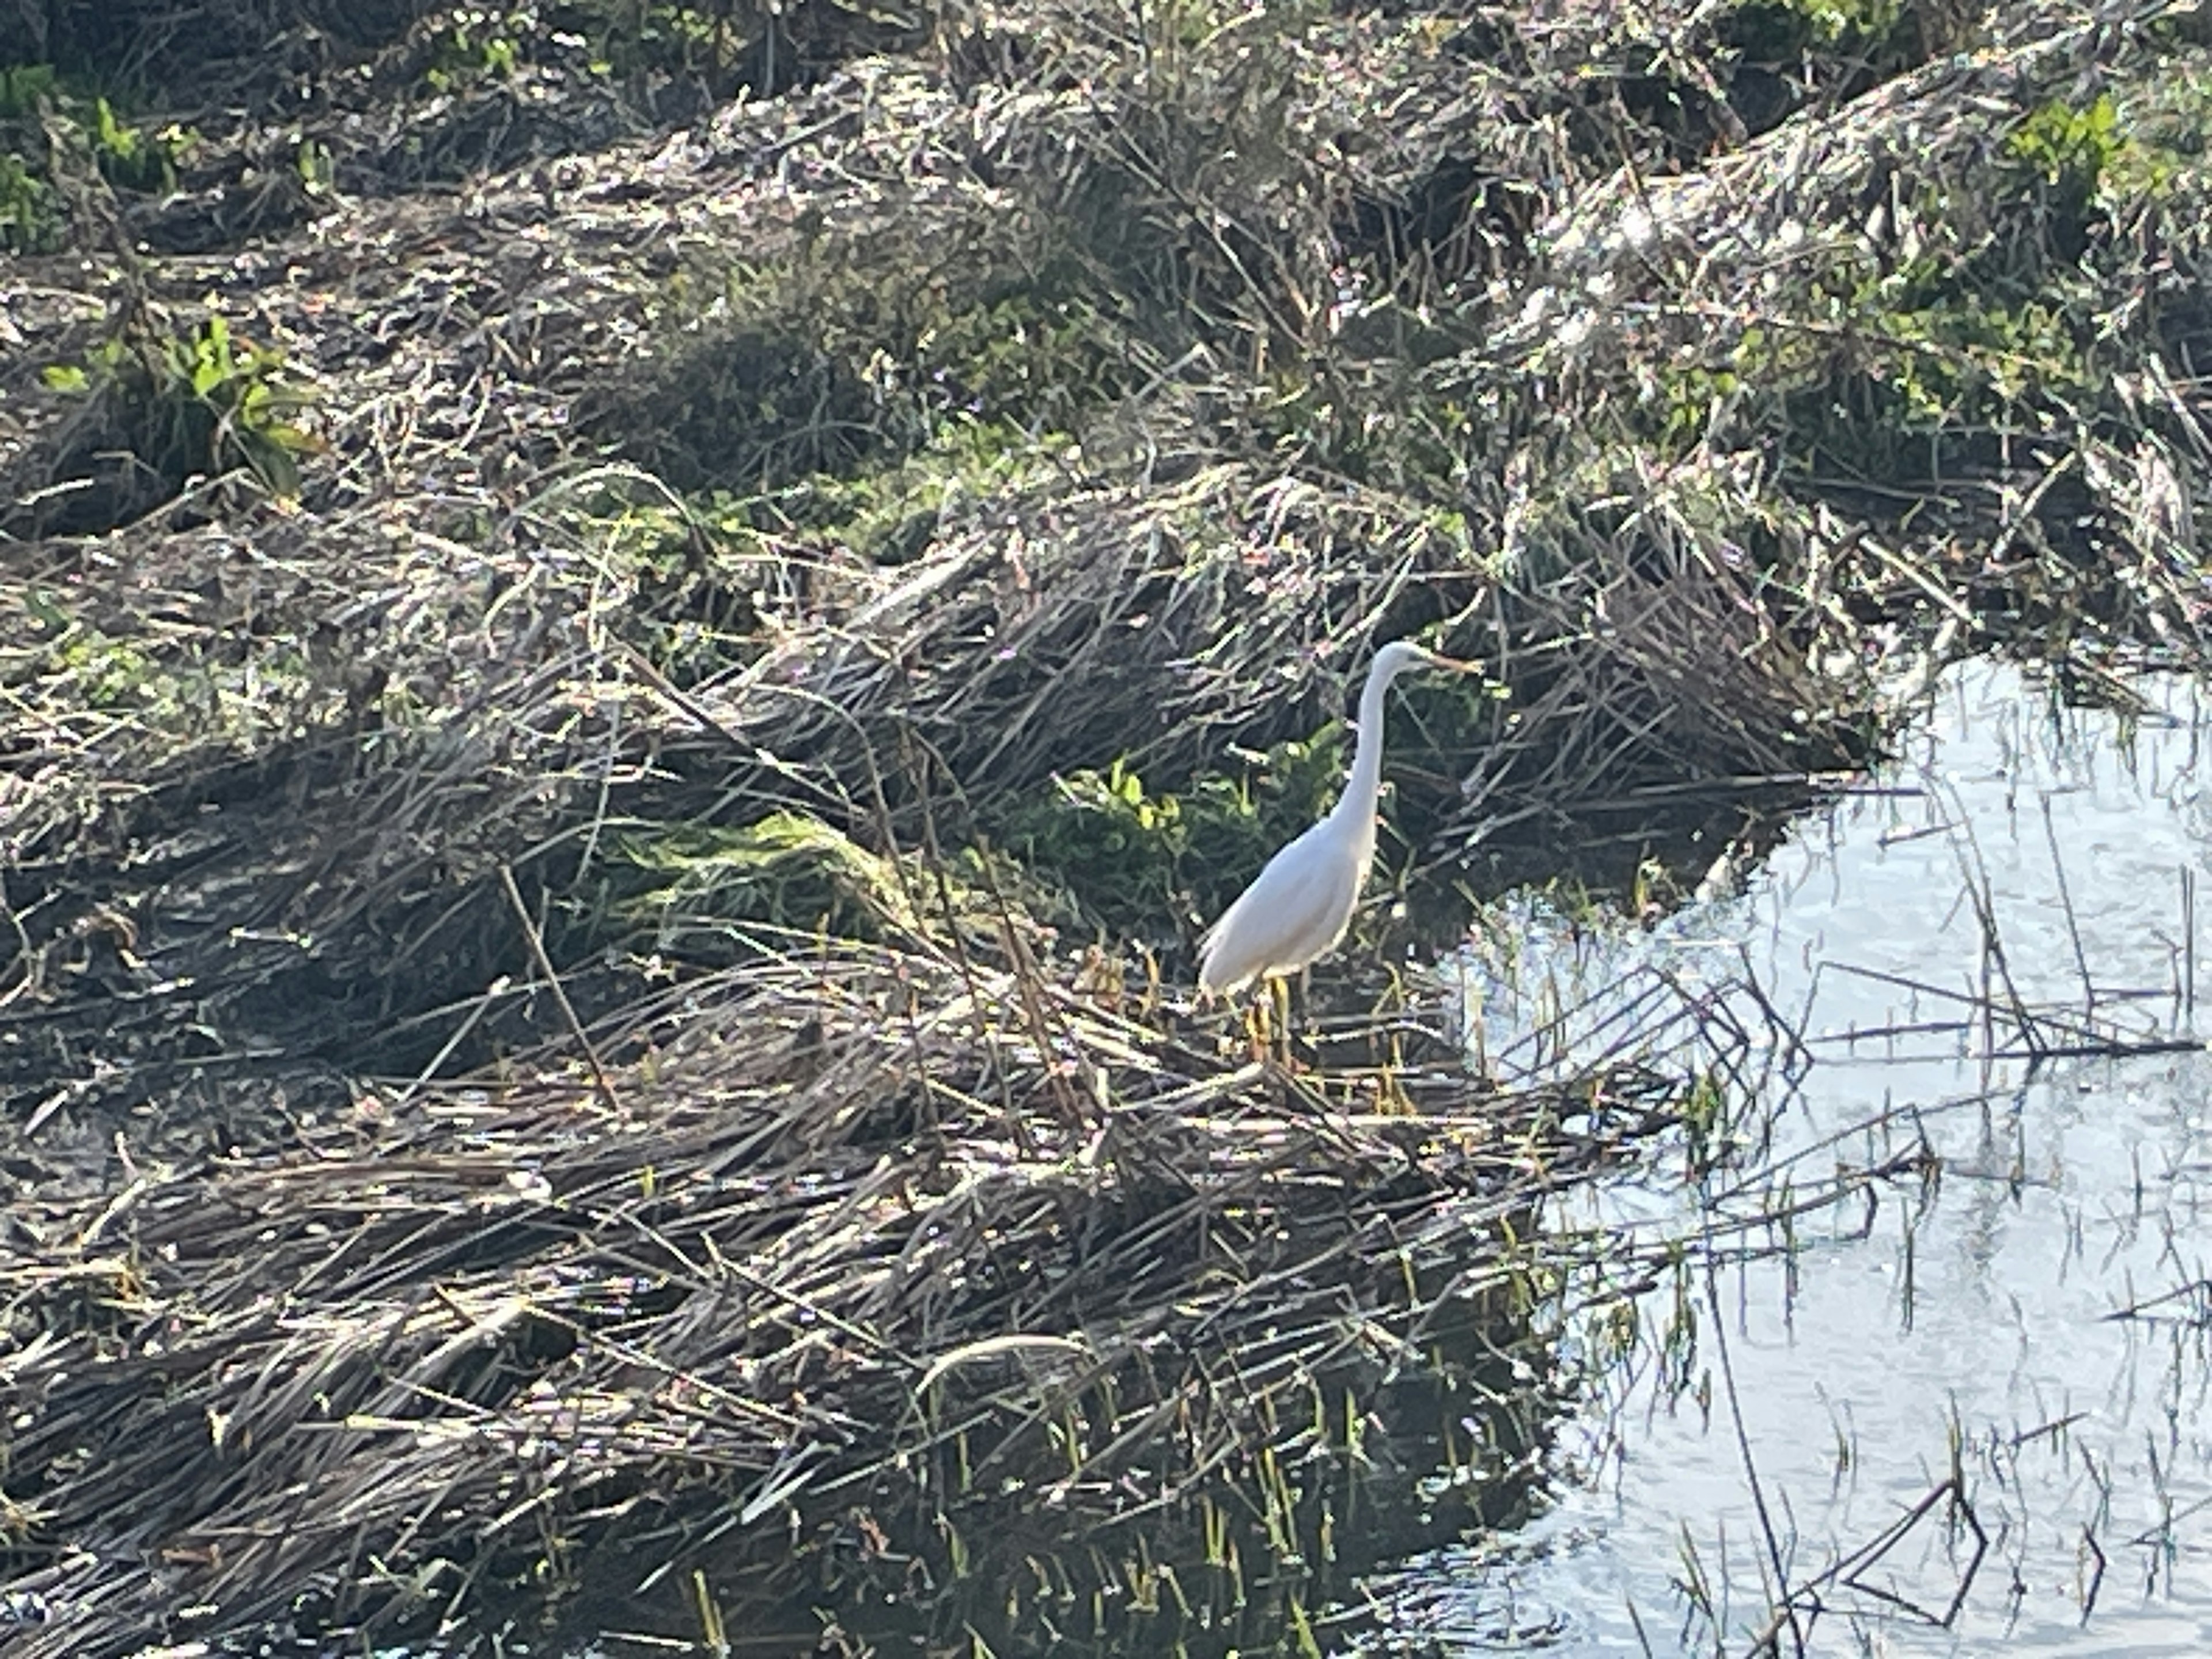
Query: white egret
x,y
1298,906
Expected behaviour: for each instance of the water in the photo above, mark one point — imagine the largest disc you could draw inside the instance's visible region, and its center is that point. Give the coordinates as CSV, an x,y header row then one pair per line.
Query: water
x,y
1917,1328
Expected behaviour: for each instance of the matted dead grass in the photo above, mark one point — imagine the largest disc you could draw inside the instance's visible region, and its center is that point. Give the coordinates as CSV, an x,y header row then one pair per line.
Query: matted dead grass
x,y
895,1264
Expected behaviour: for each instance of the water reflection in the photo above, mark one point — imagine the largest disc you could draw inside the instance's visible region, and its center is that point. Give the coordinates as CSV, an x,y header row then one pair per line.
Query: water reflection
x,y
1950,948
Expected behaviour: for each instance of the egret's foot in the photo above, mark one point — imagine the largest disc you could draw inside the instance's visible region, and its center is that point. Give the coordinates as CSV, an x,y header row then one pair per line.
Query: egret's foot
x,y
1255,1032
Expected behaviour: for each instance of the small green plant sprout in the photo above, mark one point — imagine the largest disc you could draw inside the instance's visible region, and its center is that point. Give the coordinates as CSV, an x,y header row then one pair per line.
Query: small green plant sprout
x,y
318,173
202,401
30,212
22,86
474,49
53,620
130,159
232,405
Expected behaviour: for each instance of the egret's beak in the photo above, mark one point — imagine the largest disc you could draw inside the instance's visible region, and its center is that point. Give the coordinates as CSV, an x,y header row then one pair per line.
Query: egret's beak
x,y
1454,664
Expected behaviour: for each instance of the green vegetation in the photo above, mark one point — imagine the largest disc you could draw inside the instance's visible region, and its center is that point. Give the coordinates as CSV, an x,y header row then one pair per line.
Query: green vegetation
x,y
202,401
1135,858
1849,22
1958,325
889,514
700,888
318,173
2070,147
31,220
31,216
126,155
130,158
24,87
1779,29
112,673
476,45
629,39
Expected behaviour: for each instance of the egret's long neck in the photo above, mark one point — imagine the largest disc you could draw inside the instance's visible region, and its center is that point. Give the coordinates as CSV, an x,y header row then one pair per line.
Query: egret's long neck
x,y
1358,801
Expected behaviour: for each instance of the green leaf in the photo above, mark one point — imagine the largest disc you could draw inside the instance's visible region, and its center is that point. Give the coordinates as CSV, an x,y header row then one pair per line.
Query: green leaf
x,y
51,616
298,439
277,469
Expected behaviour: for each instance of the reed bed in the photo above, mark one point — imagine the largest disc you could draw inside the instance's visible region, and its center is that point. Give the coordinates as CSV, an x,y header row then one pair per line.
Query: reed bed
x,y
903,1266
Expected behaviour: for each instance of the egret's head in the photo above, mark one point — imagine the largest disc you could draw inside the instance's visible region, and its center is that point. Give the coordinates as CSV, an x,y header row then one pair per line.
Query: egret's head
x,y
1396,657
1401,654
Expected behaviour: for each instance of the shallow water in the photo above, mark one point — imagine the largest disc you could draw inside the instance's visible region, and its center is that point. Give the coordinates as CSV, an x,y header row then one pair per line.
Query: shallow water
x,y
1976,1310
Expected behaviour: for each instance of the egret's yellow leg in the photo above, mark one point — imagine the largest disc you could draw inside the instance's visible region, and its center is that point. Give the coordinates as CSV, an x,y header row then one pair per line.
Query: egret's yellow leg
x,y
1255,1027
1278,993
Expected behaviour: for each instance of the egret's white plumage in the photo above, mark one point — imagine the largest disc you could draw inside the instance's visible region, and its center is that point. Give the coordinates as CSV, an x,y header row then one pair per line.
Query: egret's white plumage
x,y
1298,907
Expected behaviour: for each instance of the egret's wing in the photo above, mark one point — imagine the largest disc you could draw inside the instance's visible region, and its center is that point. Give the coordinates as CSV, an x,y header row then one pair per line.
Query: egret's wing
x,y
1295,909
1278,878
